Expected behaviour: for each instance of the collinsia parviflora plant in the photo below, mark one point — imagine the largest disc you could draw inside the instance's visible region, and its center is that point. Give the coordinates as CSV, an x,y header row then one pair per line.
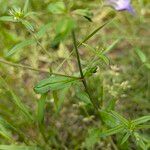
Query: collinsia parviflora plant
x,y
51,91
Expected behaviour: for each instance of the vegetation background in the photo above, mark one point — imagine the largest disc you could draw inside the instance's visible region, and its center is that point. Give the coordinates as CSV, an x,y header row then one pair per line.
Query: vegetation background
x,y
41,43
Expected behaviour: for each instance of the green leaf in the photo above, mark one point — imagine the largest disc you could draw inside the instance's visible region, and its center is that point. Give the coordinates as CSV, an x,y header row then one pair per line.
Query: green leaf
x,y
141,55
93,33
84,12
9,126
83,96
141,120
140,141
112,131
145,126
111,105
5,133
92,138
53,83
19,46
125,138
16,100
17,147
112,46
7,18
147,65
63,28
28,25
120,118
57,8
90,70
60,98
43,30
98,53
108,119
28,42
25,8
56,99
41,108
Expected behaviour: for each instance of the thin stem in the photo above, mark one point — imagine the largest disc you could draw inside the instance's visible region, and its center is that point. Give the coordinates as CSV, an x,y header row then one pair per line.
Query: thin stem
x,y
33,69
81,72
77,53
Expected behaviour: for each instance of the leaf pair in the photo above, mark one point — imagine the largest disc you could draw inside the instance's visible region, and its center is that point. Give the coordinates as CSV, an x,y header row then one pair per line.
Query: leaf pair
x,y
126,126
54,83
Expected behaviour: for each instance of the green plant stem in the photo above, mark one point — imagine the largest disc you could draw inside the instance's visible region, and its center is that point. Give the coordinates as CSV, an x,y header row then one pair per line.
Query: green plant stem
x,y
81,72
33,69
85,39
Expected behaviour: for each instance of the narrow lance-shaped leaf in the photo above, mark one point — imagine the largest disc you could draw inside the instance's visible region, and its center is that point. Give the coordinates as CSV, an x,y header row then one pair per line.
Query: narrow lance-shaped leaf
x,y
18,147
108,119
110,47
53,83
5,133
141,120
120,118
16,100
92,138
57,7
140,141
25,8
112,131
7,18
41,108
10,127
125,138
43,29
19,46
28,42
28,25
141,55
83,96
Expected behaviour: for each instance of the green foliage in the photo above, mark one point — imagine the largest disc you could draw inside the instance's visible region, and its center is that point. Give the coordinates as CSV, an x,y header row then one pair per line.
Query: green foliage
x,y
54,83
91,76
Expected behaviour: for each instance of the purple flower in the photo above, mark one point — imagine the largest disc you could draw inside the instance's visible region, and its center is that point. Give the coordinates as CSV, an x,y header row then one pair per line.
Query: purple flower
x,y
121,5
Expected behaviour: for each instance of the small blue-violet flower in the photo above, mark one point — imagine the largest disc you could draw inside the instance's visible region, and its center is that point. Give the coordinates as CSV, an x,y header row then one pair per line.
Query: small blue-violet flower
x,y
121,5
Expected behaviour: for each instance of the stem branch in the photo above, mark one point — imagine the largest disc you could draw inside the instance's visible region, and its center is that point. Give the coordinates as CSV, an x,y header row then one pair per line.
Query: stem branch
x,y
81,72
